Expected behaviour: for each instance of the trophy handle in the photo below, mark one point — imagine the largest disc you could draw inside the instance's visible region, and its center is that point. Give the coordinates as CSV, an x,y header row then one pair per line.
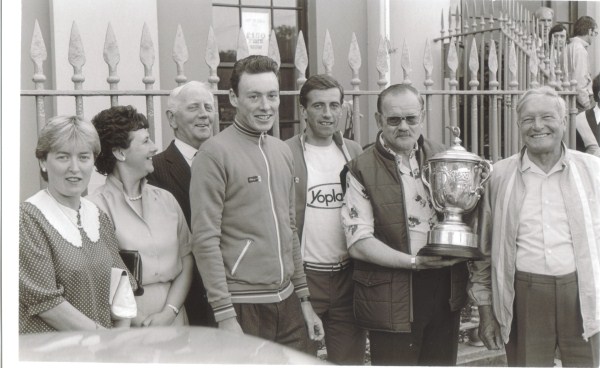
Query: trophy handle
x,y
425,179
486,168
425,176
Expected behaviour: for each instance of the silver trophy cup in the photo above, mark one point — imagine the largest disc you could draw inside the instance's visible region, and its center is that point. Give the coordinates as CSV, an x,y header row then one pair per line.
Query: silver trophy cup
x,y
455,180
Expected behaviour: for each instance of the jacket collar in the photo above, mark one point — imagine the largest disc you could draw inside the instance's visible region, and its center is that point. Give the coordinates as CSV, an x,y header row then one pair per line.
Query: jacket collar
x,y
579,40
383,151
242,129
525,163
337,138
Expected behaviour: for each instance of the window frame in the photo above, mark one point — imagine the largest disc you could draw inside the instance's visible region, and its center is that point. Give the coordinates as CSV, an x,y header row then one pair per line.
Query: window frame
x,y
302,25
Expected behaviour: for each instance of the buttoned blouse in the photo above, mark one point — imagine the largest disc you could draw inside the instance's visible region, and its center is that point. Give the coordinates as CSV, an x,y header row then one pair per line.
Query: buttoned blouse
x,y
161,235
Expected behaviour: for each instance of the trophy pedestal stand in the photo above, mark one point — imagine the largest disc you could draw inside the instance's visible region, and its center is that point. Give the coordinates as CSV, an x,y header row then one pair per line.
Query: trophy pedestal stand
x,y
451,240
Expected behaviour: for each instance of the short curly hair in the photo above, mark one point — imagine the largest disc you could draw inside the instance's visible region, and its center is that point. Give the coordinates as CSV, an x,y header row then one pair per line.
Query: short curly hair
x,y
113,126
253,64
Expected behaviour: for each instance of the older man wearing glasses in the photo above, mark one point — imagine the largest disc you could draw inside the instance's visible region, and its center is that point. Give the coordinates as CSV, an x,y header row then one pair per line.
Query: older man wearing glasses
x,y
410,304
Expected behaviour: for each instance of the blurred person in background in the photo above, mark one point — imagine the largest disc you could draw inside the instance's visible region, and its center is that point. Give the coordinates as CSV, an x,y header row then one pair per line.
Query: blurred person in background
x,y
588,124
558,37
545,18
585,30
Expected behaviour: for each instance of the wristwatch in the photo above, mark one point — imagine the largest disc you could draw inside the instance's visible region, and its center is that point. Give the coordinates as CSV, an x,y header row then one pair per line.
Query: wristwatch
x,y
305,299
413,263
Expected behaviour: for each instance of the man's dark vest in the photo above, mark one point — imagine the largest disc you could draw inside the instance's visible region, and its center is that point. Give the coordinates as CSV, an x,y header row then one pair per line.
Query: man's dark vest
x,y
382,296
591,119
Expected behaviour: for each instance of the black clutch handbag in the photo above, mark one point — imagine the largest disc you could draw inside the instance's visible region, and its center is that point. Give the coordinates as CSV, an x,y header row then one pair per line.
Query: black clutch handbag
x,y
133,261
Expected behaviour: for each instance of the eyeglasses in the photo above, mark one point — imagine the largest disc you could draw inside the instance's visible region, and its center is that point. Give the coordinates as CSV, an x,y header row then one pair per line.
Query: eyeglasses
x,y
397,120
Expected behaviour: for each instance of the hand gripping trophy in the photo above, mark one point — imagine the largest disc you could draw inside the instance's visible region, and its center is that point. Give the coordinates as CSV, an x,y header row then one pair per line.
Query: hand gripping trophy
x,y
455,180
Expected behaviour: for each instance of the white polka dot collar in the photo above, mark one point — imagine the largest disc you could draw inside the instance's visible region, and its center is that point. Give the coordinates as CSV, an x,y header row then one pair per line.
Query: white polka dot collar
x,y
58,217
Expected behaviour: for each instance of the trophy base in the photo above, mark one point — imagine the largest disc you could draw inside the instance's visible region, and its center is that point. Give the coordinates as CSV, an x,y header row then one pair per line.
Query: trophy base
x,y
448,243
450,251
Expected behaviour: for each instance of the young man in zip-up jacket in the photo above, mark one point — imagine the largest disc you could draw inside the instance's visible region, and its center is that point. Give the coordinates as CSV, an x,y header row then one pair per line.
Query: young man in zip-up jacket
x,y
320,154
243,221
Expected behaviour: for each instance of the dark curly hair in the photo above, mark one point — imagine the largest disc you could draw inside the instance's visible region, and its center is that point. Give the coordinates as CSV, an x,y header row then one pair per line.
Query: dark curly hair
x,y
113,126
253,64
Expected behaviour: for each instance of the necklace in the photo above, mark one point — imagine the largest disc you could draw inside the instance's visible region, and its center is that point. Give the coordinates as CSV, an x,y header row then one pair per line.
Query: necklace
x,y
136,198
70,217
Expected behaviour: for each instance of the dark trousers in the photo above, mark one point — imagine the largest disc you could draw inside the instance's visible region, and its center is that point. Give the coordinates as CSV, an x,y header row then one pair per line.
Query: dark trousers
x,y
433,339
331,297
281,322
546,316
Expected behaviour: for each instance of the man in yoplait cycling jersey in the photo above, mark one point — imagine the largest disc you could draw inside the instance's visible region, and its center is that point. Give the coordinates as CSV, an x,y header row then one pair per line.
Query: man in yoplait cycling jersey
x,y
320,153
243,218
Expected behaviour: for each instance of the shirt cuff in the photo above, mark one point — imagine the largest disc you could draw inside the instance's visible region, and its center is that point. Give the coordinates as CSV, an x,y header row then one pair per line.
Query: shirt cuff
x,y
480,297
301,288
301,293
224,312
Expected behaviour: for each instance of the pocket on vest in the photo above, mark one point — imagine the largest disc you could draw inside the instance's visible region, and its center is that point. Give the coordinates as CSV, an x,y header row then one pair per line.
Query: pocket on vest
x,y
373,299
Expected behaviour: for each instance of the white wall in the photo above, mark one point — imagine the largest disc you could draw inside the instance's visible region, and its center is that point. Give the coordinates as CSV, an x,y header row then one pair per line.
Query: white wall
x,y
195,18
413,22
341,18
92,17
32,10
410,20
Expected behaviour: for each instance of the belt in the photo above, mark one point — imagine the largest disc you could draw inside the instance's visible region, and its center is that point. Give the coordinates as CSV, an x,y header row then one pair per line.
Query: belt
x,y
328,267
534,278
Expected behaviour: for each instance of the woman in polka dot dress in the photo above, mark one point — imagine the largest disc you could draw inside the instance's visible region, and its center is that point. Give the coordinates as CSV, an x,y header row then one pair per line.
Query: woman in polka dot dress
x,y
147,219
67,246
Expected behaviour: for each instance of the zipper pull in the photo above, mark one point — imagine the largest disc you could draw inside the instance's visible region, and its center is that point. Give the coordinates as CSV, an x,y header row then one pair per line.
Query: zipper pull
x,y
261,138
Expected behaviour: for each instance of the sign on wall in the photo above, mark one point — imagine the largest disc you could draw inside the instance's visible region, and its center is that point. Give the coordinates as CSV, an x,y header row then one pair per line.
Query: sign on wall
x,y
257,27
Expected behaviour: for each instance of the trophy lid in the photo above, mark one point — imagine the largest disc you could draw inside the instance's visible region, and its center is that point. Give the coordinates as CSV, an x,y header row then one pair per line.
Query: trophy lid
x,y
456,151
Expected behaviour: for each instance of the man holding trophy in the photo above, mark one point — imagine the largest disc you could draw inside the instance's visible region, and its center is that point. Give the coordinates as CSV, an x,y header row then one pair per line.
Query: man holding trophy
x,y
409,302
538,287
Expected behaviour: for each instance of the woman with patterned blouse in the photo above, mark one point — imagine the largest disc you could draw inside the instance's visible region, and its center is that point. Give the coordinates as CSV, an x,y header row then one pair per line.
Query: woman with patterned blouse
x,y
147,219
67,246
